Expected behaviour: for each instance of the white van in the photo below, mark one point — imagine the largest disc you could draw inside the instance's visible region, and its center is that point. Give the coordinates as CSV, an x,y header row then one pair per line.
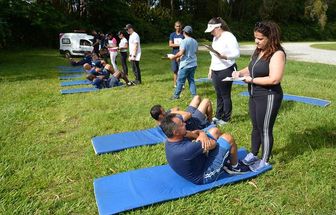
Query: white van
x,y
75,44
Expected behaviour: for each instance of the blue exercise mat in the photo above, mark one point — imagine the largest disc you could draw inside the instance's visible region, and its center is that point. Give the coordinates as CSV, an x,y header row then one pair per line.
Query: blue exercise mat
x,y
86,89
124,140
66,77
68,67
303,99
73,83
206,80
78,90
138,188
73,70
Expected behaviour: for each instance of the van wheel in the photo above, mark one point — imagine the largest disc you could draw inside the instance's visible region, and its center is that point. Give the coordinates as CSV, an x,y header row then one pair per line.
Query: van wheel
x,y
67,54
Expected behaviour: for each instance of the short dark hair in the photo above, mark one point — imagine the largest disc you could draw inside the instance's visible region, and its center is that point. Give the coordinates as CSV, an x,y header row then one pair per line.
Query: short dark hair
x,y
155,111
168,126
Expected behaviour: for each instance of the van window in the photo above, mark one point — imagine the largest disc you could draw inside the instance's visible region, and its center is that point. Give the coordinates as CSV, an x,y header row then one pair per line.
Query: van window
x,y
66,41
84,43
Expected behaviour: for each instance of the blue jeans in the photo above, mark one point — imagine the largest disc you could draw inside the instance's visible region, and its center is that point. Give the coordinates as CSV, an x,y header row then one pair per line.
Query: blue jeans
x,y
216,160
183,74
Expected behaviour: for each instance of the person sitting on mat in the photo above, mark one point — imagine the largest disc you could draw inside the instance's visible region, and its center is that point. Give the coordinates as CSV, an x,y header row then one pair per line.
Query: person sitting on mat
x,y
197,115
86,59
196,161
101,77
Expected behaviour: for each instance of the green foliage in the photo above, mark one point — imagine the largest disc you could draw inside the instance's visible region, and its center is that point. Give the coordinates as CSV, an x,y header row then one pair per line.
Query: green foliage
x,y
47,163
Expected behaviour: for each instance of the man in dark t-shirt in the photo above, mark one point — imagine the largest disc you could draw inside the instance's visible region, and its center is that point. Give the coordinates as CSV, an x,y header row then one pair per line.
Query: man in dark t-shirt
x,y
197,115
199,162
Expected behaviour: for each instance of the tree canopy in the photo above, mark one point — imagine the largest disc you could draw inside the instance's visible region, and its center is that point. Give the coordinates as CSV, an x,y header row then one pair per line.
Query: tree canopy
x,y
38,22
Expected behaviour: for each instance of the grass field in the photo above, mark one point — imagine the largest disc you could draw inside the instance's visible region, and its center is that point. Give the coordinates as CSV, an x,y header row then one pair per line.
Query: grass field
x,y
327,46
47,163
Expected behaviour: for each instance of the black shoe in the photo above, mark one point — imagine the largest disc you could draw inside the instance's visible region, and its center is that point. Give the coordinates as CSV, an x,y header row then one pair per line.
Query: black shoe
x,y
240,169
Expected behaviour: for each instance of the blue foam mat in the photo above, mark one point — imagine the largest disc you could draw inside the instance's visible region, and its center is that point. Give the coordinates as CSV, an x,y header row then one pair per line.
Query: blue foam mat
x,y
78,90
66,77
206,80
124,140
303,99
138,188
85,90
74,70
73,83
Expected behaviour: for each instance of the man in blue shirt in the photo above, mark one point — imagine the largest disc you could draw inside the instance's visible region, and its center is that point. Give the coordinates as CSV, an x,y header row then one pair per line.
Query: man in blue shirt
x,y
197,162
175,39
188,62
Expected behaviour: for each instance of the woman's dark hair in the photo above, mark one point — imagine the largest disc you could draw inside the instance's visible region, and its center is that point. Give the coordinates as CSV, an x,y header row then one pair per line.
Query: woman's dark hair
x,y
156,111
271,30
218,20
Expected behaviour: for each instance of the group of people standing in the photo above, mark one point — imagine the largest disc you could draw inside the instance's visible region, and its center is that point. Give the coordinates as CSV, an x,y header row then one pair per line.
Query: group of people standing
x,y
263,76
102,42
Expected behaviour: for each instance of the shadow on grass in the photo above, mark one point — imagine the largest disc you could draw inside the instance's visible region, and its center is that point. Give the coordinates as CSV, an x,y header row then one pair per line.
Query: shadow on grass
x,y
308,140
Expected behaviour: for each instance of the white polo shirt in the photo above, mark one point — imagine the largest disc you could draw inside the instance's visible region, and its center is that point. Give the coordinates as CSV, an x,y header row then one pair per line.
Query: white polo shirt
x,y
226,45
132,41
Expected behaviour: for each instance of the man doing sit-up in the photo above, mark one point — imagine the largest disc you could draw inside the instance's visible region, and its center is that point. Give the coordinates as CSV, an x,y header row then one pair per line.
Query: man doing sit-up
x,y
196,161
197,115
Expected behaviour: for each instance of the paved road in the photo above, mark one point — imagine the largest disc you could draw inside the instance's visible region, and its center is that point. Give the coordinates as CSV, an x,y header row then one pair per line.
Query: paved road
x,y
300,52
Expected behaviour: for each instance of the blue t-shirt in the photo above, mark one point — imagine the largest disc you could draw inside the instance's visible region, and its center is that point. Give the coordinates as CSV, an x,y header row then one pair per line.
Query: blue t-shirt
x,y
187,159
176,38
189,58
97,63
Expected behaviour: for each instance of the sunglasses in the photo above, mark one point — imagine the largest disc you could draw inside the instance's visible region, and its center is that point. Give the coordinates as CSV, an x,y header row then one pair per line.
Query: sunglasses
x,y
180,117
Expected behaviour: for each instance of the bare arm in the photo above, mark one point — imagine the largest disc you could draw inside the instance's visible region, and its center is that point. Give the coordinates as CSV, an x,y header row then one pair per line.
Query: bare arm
x,y
177,55
199,135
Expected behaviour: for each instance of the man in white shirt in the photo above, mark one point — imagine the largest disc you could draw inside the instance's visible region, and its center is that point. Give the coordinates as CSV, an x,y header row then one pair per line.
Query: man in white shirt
x,y
134,52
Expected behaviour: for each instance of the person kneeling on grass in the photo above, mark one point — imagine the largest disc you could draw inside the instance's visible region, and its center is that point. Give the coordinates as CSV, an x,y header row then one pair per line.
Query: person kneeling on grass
x,y
197,115
196,161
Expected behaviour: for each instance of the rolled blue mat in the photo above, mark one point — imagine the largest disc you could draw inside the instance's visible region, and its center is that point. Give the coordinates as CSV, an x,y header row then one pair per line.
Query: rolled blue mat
x,y
303,99
206,80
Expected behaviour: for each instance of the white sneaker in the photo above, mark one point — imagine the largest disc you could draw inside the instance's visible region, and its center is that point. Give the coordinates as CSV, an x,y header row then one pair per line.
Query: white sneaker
x,y
258,165
221,122
250,159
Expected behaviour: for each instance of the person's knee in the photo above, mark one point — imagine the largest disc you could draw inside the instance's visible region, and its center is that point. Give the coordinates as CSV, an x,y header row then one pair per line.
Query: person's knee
x,y
229,138
215,132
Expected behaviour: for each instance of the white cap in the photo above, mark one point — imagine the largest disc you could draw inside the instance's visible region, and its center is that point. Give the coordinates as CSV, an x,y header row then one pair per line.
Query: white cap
x,y
211,27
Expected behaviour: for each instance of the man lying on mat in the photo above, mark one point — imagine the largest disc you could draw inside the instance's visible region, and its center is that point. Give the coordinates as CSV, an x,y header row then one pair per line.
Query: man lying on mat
x,y
197,115
199,162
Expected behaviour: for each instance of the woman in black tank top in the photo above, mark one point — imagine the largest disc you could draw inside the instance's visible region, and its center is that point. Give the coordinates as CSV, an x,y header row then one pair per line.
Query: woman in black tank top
x,y
263,75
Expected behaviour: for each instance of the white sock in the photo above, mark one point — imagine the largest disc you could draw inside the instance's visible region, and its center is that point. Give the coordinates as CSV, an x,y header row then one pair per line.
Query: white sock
x,y
234,166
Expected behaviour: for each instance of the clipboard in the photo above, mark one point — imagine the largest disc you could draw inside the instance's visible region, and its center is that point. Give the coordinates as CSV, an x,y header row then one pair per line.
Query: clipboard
x,y
209,47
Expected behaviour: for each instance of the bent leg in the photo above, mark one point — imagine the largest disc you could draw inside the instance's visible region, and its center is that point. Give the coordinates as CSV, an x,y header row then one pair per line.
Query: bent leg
x,y
233,150
205,107
195,102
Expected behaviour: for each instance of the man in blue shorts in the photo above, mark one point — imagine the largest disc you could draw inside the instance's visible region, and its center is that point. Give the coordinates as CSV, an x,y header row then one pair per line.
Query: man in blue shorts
x,y
197,162
197,116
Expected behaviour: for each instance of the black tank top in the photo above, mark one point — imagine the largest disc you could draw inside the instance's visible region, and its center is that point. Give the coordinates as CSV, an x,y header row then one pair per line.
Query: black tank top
x,y
260,68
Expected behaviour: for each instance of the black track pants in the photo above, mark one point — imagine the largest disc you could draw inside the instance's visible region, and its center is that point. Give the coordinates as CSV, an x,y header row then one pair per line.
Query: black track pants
x,y
263,112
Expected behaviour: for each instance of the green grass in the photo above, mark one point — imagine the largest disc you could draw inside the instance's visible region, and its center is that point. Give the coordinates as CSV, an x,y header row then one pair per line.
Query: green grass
x,y
47,163
327,46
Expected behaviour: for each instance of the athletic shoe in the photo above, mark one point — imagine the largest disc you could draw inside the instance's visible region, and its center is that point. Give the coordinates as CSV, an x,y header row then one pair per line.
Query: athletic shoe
x,y
240,169
250,159
214,120
174,97
221,122
258,165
